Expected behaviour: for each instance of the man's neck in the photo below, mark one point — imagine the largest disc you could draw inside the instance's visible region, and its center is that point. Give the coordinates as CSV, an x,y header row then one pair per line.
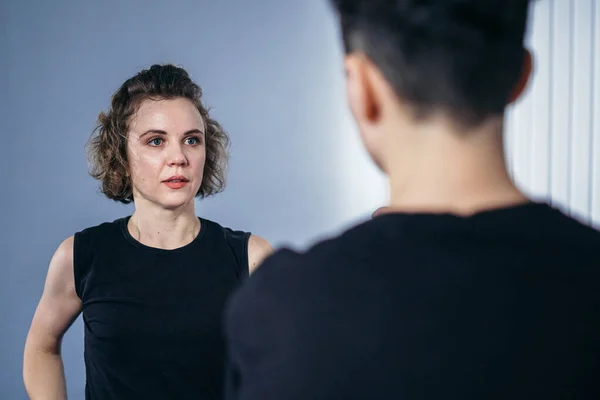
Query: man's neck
x,y
453,173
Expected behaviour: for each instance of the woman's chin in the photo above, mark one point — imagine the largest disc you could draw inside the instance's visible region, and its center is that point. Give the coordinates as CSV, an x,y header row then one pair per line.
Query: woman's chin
x,y
176,202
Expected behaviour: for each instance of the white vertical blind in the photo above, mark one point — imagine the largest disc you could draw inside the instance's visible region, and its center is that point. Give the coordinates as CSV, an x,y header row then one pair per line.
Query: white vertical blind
x,y
553,134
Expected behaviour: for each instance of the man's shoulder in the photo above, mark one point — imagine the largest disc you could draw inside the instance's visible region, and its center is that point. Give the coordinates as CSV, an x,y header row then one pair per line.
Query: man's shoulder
x,y
287,279
328,251
287,263
288,268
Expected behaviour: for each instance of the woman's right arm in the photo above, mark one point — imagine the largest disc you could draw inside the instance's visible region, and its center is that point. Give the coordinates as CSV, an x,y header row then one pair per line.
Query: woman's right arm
x,y
59,306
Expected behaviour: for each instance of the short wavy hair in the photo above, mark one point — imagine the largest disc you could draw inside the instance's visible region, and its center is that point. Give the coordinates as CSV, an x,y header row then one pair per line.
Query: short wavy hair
x,y
107,147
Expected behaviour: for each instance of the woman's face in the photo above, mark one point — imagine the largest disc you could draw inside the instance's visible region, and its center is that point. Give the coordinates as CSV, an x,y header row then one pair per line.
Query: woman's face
x,y
166,153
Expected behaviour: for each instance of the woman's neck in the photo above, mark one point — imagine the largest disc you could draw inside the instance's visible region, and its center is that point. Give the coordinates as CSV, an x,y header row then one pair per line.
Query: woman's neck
x,y
164,229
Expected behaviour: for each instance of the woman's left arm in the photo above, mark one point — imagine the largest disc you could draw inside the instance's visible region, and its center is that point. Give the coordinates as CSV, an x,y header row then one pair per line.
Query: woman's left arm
x,y
258,250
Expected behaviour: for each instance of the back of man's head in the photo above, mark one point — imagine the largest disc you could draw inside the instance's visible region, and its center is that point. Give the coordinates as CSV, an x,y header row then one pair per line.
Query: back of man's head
x,y
461,57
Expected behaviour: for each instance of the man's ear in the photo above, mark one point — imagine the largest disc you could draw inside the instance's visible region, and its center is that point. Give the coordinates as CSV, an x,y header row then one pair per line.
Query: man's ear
x,y
526,72
362,99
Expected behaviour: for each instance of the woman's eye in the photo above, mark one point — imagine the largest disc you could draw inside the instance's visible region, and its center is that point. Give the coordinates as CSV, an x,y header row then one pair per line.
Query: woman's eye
x,y
155,142
192,141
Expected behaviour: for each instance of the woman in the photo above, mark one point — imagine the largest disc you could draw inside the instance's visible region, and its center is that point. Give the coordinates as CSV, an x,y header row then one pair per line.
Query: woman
x,y
151,286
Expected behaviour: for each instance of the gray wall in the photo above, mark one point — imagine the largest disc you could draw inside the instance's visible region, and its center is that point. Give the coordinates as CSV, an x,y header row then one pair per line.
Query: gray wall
x,y
270,69
6,257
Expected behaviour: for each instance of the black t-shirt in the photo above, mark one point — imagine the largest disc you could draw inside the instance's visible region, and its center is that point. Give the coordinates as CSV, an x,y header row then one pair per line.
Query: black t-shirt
x,y
153,318
504,304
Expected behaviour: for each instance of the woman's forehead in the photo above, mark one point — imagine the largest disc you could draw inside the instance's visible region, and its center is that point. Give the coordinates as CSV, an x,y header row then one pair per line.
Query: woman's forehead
x,y
172,116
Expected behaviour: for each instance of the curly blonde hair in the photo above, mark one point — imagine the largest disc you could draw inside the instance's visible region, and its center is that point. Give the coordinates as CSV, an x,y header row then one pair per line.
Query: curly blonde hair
x,y
107,147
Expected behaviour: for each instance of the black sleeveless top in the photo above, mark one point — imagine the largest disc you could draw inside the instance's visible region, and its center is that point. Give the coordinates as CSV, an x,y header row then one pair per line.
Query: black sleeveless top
x,y
153,317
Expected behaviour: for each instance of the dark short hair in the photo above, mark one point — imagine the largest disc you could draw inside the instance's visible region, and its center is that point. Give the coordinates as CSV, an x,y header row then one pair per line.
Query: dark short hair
x,y
107,148
462,57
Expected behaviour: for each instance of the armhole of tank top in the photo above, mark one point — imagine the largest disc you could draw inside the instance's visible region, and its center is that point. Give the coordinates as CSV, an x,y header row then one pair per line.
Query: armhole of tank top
x,y
76,265
237,242
245,273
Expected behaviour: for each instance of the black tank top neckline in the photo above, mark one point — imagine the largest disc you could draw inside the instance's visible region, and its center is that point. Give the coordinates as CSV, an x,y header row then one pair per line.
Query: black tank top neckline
x,y
123,225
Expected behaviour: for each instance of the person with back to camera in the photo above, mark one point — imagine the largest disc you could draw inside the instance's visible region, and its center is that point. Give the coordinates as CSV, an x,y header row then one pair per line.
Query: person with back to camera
x,y
151,286
463,287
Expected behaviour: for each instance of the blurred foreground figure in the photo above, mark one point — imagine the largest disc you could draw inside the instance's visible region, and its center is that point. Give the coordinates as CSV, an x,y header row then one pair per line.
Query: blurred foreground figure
x,y
463,288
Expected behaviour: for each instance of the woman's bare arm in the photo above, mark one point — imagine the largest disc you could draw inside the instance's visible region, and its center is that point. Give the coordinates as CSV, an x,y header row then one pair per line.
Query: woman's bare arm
x,y
258,250
59,306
